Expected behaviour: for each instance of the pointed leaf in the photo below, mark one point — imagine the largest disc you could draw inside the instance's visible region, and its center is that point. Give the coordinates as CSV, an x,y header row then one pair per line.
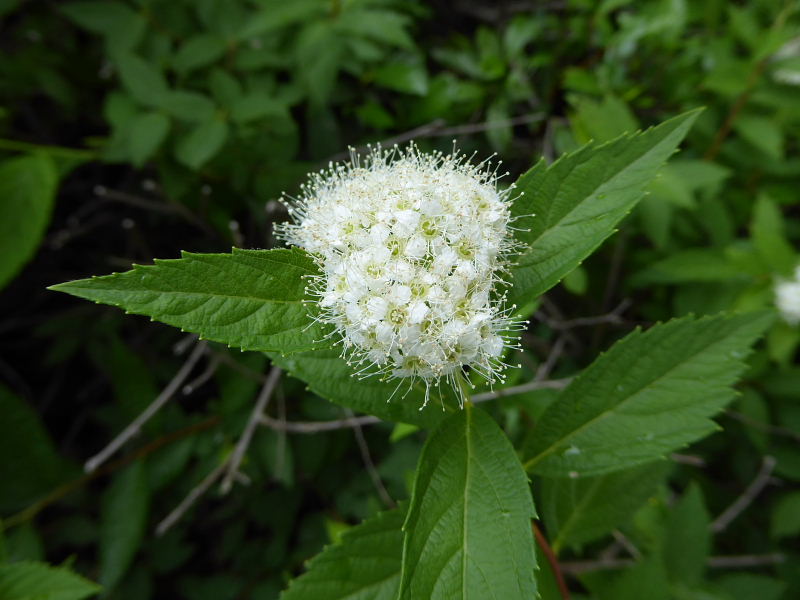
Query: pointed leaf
x,y
27,190
649,394
364,565
468,530
582,510
38,581
688,538
329,376
570,207
250,299
124,518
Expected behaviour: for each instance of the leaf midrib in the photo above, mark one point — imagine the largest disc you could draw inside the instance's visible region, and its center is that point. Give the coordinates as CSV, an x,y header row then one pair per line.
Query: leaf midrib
x,y
69,286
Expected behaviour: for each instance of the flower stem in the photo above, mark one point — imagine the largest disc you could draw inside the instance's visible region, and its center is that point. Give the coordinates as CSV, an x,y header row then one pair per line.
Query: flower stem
x,y
552,559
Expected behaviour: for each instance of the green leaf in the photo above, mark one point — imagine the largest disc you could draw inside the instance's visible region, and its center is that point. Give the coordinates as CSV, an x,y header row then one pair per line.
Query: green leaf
x,y
250,299
202,143
277,14
785,517
144,82
692,265
570,207
256,105
747,586
468,529
27,191
769,237
764,133
687,544
38,581
380,25
646,579
118,23
582,510
36,467
403,76
650,394
147,132
123,521
364,565
188,106
329,376
199,51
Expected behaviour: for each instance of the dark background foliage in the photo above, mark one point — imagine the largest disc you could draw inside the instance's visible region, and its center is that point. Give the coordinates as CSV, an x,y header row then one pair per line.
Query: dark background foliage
x,y
176,124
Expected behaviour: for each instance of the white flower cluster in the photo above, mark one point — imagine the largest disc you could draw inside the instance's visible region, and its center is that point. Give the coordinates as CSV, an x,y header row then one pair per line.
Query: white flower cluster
x,y
787,298
411,247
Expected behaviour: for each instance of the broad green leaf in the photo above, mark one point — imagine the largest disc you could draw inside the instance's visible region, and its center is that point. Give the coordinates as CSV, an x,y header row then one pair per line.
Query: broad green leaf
x,y
687,541
202,143
582,510
769,237
692,265
250,299
785,517
199,51
747,586
142,79
31,461
647,579
123,520
403,76
329,376
570,207
364,565
650,394
27,190
255,105
38,581
468,530
188,106
763,132
121,26
383,26
277,14
147,132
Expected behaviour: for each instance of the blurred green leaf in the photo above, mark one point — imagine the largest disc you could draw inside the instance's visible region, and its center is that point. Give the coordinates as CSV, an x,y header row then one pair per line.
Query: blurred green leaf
x,y
144,81
582,510
188,106
364,564
687,542
122,27
769,237
147,134
38,581
468,528
27,189
31,462
202,143
126,504
650,394
406,77
785,516
762,132
250,299
199,51
570,207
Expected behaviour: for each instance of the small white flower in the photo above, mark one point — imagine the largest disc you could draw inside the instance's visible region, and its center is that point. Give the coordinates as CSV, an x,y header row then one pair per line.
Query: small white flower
x,y
787,298
410,246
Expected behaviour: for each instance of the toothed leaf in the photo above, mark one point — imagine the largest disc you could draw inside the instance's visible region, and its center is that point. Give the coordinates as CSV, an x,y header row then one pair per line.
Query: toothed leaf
x,y
250,299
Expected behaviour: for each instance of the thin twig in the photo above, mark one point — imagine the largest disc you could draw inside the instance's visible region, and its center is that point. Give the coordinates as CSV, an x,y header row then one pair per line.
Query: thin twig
x,y
552,384
201,379
579,567
135,426
316,426
552,358
243,444
765,427
747,497
614,318
541,541
436,128
688,459
369,464
67,488
192,497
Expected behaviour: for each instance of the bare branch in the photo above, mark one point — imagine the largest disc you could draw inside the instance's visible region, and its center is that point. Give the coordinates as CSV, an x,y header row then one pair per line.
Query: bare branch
x,y
765,427
578,567
316,426
614,318
135,426
554,384
192,497
238,453
747,497
369,464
